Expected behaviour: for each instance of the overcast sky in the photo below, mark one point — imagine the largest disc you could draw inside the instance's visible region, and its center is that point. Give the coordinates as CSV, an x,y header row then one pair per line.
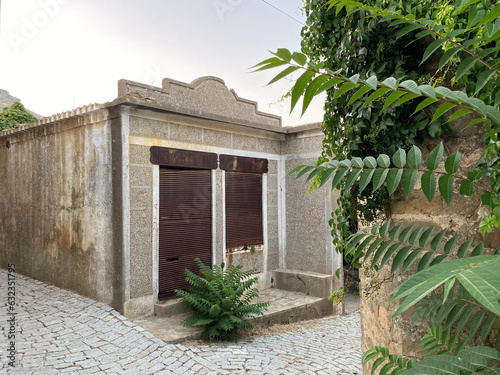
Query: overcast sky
x,y
56,55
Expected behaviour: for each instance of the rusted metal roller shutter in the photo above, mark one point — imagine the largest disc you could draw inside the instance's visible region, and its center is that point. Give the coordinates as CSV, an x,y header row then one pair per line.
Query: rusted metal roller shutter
x,y
185,226
243,210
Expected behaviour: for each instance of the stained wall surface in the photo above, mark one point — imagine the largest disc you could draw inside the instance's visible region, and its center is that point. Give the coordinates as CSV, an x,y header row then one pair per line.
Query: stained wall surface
x,y
56,217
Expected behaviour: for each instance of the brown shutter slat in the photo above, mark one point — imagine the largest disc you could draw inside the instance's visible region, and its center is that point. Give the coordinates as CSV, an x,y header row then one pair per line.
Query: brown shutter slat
x,y
243,164
173,157
243,210
185,226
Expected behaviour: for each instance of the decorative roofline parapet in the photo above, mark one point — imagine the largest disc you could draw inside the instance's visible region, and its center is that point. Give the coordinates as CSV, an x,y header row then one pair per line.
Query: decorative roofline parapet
x,y
206,97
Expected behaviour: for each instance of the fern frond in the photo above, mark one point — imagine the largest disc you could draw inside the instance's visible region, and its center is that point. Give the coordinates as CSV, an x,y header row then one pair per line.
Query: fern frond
x,y
382,357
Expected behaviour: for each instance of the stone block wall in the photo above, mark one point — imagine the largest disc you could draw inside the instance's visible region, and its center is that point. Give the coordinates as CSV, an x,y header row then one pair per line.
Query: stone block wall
x,y
462,216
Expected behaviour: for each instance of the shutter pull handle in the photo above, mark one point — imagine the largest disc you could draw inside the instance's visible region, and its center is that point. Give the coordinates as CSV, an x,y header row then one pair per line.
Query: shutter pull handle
x,y
176,259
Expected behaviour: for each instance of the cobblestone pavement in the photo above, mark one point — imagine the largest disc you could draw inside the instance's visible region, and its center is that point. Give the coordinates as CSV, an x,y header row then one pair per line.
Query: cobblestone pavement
x,y
60,332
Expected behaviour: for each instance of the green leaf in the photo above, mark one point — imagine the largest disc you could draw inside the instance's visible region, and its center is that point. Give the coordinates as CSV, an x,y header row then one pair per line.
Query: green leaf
x,y
407,29
326,176
452,163
343,89
422,242
338,177
328,85
410,260
482,79
446,187
365,179
436,241
450,244
415,235
393,97
358,94
379,177
491,15
399,158
487,199
467,188
380,251
354,78
431,48
299,58
426,281
410,177
283,74
435,157
447,288
383,161
424,262
465,66
284,54
462,250
428,90
407,98
405,233
357,162
303,172
389,253
351,177
393,180
384,228
372,82
429,184
314,174
300,86
442,109
375,95
459,113
447,56
370,162
424,103
312,90
478,250
394,231
273,62
414,157
391,83
411,86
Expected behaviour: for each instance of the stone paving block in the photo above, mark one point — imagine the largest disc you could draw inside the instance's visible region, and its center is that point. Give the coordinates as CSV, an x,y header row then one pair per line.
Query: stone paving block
x,y
67,333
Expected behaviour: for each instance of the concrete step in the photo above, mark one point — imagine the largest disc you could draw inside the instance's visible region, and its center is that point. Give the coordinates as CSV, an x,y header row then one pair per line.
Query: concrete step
x,y
286,307
171,307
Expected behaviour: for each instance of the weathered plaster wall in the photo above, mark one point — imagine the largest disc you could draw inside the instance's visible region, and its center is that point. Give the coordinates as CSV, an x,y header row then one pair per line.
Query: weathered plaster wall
x,y
56,218
462,216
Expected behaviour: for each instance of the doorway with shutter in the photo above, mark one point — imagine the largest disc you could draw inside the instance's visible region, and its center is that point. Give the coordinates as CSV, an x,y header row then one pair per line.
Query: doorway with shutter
x,y
185,226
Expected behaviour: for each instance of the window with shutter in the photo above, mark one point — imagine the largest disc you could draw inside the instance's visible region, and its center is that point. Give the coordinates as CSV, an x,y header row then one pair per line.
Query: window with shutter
x,y
243,200
243,210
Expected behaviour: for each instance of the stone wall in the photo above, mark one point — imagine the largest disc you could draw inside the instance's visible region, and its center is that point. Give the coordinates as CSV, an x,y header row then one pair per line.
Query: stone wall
x,y
462,216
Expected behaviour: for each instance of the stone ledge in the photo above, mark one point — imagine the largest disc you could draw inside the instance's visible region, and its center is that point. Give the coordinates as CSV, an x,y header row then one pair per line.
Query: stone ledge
x,y
310,283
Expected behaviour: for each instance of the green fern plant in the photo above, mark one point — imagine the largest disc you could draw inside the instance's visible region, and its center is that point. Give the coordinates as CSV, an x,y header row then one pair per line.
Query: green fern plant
x,y
221,300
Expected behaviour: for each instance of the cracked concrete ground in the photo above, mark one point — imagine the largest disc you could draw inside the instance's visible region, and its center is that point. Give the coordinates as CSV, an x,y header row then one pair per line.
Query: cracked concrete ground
x,y
60,332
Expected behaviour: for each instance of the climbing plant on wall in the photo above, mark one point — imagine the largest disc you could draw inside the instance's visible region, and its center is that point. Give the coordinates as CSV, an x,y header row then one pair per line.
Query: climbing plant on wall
x,y
456,287
357,43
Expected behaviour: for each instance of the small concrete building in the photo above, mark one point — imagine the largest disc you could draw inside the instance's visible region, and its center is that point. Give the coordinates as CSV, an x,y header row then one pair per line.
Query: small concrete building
x,y
114,200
